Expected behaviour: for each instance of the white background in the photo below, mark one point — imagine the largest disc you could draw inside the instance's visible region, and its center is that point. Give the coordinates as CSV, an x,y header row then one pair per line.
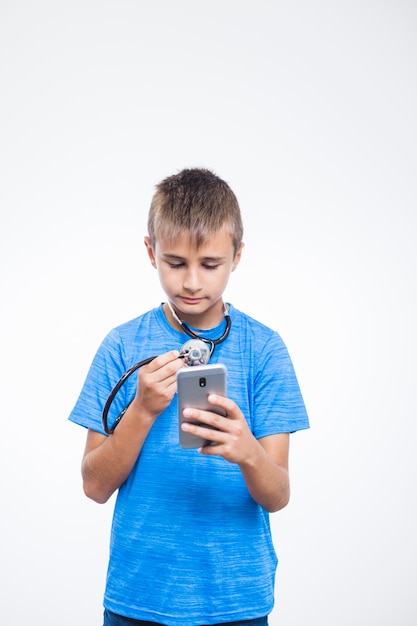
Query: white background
x,y
308,110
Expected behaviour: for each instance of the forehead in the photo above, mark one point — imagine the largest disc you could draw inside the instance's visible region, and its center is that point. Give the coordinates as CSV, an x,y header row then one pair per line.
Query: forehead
x,y
219,244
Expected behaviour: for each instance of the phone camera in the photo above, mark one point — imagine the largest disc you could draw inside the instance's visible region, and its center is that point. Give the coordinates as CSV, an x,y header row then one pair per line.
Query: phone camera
x,y
202,382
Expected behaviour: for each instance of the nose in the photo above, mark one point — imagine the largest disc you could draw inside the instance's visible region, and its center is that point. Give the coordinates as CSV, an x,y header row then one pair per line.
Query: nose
x,y
191,280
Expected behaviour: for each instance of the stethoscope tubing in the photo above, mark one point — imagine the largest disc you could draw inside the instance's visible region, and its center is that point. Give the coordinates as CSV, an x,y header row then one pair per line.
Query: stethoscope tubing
x,y
187,330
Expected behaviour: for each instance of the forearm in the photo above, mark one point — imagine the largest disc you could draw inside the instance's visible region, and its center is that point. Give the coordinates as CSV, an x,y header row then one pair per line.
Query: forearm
x,y
267,482
108,461
106,466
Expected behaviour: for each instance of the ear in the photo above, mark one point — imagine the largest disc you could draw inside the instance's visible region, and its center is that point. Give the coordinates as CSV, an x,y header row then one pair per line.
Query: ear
x,y
150,251
238,256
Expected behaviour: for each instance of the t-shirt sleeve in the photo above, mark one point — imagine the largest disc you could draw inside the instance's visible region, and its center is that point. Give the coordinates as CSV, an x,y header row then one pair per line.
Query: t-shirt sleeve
x,y
105,370
278,402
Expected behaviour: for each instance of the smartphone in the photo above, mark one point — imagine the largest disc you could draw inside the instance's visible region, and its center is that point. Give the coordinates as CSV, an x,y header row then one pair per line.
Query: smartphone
x,y
194,384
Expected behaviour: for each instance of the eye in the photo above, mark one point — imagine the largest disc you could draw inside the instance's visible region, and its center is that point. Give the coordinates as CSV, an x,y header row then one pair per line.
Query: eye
x,y
175,266
208,266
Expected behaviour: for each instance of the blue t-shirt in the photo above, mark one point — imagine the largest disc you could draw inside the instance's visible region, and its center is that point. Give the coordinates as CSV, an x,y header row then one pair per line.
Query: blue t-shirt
x,y
189,545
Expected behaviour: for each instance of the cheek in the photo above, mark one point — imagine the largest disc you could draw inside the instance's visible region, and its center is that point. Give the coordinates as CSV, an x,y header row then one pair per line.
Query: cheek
x,y
220,282
167,278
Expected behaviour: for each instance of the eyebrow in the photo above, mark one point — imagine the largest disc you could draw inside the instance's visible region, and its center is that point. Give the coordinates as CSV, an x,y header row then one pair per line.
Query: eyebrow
x,y
176,257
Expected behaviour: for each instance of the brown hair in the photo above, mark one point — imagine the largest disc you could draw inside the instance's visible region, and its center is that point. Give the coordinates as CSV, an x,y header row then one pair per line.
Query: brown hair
x,y
196,201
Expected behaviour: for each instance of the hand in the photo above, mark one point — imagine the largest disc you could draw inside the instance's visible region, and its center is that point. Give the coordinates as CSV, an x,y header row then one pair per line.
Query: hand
x,y
157,383
233,439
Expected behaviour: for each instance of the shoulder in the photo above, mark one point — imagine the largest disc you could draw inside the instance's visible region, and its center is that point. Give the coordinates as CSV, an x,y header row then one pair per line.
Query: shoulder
x,y
253,329
130,329
121,342
141,337
259,345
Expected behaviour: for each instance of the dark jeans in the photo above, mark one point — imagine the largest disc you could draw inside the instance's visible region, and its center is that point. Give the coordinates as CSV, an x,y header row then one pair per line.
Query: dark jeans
x,y
111,619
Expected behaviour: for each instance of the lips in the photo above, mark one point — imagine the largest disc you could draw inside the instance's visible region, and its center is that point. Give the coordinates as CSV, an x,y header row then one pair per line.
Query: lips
x,y
191,300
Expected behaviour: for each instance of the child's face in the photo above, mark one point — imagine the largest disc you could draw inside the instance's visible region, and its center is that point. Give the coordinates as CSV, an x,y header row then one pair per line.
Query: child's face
x,y
194,279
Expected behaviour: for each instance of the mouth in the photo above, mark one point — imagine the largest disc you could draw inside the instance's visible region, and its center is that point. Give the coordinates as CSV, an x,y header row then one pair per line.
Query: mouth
x,y
192,301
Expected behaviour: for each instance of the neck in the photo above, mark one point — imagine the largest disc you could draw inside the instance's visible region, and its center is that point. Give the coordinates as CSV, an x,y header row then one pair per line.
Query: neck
x,y
175,319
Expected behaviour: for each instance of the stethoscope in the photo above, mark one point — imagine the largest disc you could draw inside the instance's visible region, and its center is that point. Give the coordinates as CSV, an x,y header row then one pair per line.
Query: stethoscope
x,y
195,351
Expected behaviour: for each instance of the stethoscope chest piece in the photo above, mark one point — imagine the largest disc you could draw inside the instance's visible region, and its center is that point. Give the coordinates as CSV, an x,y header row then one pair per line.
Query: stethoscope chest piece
x,y
195,352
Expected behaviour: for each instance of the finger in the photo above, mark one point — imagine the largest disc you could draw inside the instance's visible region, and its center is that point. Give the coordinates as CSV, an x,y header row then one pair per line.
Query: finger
x,y
228,406
208,425
162,360
165,365
214,436
220,422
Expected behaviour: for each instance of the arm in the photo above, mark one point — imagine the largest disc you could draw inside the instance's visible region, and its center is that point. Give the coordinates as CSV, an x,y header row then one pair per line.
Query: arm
x,y
266,473
108,461
263,462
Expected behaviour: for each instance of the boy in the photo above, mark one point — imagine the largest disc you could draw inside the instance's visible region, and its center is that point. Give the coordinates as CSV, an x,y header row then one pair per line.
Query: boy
x,y
191,542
